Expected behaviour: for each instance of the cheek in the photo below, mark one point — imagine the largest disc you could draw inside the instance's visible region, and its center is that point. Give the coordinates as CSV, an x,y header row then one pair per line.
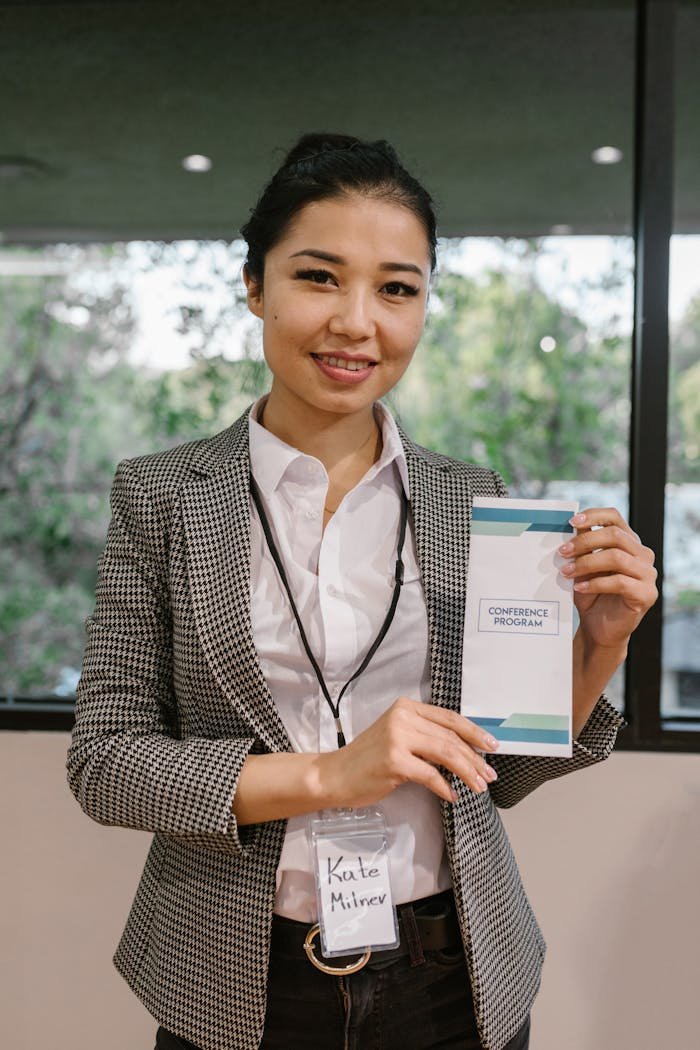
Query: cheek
x,y
290,322
409,334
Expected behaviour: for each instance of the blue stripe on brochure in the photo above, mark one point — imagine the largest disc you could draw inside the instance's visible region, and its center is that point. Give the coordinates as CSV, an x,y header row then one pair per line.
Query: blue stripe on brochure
x,y
551,517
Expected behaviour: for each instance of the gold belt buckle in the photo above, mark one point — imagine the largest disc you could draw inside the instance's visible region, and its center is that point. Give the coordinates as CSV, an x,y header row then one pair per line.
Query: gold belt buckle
x,y
335,971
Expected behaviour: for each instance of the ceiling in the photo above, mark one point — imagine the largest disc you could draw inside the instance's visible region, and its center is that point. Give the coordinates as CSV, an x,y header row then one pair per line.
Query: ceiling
x,y
495,105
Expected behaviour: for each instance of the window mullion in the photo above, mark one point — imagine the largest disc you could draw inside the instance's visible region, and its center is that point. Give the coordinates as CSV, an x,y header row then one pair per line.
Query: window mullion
x,y
653,216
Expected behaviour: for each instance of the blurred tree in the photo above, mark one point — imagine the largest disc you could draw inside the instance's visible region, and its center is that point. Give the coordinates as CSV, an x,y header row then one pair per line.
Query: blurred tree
x,y
64,391
507,377
684,397
72,404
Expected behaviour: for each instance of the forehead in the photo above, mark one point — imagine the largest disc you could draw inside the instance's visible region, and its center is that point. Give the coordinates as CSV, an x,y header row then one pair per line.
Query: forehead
x,y
360,229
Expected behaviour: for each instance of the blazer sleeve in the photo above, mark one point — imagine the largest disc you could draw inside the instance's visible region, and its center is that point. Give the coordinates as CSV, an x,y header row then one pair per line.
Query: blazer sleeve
x,y
126,764
518,775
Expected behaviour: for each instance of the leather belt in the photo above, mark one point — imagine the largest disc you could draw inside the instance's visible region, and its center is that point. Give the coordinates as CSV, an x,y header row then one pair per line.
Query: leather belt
x,y
425,925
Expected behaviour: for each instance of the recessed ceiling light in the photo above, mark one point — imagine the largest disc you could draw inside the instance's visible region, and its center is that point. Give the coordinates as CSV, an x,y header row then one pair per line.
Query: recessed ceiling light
x,y
547,344
606,155
561,229
20,167
196,162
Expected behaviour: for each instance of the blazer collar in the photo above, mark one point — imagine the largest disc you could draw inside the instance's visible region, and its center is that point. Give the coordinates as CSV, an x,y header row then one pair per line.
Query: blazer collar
x,y
223,451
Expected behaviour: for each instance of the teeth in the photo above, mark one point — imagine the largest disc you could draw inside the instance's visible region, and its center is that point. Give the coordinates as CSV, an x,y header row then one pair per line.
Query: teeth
x,y
338,362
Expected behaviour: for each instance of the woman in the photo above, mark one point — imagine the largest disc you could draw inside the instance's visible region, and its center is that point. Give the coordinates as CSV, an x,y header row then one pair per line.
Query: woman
x,y
214,710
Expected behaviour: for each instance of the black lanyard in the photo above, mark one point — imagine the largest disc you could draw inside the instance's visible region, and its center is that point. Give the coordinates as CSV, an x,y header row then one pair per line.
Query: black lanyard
x,y
398,580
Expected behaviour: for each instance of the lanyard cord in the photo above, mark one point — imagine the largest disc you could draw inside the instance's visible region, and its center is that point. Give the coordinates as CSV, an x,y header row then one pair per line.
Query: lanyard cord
x,y
398,581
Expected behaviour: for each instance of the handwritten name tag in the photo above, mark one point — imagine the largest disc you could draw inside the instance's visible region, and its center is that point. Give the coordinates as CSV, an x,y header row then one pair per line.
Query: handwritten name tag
x,y
356,910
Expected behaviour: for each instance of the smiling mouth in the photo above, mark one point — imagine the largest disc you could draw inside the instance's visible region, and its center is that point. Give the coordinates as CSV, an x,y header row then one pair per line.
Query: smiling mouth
x,y
343,362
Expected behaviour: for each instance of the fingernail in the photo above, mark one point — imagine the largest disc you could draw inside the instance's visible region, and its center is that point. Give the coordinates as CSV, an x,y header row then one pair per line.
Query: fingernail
x,y
568,569
481,784
582,585
490,774
578,519
490,742
454,794
566,548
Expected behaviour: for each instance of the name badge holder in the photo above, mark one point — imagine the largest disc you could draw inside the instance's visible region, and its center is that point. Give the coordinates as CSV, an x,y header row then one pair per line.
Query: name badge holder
x,y
353,891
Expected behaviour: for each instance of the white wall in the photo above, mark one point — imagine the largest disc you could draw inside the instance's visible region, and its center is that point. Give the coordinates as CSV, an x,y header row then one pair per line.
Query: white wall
x,y
610,858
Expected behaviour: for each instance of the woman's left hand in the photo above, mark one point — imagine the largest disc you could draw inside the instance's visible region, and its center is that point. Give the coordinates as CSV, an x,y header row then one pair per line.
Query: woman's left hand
x,y
614,576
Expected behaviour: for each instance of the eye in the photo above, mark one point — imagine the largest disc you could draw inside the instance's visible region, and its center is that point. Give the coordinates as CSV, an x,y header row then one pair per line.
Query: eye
x,y
314,276
400,290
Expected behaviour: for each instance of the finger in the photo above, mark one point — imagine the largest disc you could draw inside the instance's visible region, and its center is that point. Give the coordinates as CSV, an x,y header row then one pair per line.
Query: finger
x,y
606,562
640,595
429,776
609,536
596,516
463,727
445,748
447,739
593,519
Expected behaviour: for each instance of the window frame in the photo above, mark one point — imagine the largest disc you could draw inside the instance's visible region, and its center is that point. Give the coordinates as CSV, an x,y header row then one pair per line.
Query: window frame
x,y
653,227
654,107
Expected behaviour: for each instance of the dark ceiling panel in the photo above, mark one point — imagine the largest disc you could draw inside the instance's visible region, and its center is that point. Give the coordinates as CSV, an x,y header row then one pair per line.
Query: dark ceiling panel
x,y
496,105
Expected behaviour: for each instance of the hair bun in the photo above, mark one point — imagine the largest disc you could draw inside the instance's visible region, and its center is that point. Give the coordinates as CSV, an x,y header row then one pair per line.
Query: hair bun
x,y
317,143
326,166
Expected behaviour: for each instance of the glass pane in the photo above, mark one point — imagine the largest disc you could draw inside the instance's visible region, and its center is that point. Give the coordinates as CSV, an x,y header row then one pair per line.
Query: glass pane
x,y
525,367
681,642
106,352
112,350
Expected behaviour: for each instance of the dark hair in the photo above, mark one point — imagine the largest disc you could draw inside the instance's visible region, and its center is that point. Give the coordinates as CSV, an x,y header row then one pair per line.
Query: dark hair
x,y
322,166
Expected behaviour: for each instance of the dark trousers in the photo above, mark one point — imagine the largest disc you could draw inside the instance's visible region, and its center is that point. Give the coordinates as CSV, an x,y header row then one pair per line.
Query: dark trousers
x,y
397,1006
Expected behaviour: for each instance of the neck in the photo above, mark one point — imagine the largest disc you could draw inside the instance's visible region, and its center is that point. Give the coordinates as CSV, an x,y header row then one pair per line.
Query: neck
x,y
332,439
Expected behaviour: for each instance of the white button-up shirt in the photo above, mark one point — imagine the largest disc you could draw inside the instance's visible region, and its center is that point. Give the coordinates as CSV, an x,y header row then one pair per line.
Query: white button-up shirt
x,y
342,581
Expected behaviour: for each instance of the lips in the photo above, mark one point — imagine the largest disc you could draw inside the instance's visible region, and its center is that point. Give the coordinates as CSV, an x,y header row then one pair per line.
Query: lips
x,y
344,369
351,364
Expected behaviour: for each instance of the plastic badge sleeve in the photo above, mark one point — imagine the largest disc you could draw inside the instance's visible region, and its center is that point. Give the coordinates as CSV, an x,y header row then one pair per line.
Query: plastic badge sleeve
x,y
351,864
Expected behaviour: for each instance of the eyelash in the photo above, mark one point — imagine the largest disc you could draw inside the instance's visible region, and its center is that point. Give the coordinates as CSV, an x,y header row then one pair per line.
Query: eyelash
x,y
407,290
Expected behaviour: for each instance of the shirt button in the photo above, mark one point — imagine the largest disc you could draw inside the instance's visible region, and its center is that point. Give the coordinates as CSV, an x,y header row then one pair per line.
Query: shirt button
x,y
335,692
312,514
333,591
311,468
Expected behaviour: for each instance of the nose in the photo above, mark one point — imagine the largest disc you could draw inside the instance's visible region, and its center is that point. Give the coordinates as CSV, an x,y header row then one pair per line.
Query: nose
x,y
353,316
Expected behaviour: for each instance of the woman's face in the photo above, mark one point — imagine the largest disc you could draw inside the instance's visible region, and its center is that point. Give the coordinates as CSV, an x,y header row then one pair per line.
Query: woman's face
x,y
343,304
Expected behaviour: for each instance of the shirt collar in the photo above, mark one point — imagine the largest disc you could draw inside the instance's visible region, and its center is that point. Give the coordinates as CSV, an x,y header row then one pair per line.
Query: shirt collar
x,y
270,457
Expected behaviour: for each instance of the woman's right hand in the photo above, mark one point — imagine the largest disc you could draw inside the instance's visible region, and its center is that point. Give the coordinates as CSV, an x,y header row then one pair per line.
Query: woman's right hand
x,y
408,743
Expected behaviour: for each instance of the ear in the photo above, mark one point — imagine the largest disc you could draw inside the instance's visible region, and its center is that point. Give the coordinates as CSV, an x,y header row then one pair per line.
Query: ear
x,y
254,293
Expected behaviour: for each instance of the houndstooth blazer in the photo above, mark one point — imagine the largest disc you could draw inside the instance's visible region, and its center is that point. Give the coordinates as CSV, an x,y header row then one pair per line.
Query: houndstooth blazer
x,y
172,699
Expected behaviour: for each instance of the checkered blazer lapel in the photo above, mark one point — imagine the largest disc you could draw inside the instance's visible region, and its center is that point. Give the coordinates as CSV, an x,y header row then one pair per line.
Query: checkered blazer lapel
x,y
216,520
441,509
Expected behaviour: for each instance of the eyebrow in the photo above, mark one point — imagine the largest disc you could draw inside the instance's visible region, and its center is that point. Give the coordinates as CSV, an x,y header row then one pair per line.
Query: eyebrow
x,y
391,267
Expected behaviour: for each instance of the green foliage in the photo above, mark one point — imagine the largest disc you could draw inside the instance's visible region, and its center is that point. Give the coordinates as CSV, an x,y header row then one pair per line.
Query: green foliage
x,y
684,398
198,401
64,393
73,403
688,599
481,387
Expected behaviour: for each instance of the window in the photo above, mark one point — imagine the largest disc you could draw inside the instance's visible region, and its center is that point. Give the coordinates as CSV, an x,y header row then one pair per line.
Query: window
x,y
554,170
680,695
